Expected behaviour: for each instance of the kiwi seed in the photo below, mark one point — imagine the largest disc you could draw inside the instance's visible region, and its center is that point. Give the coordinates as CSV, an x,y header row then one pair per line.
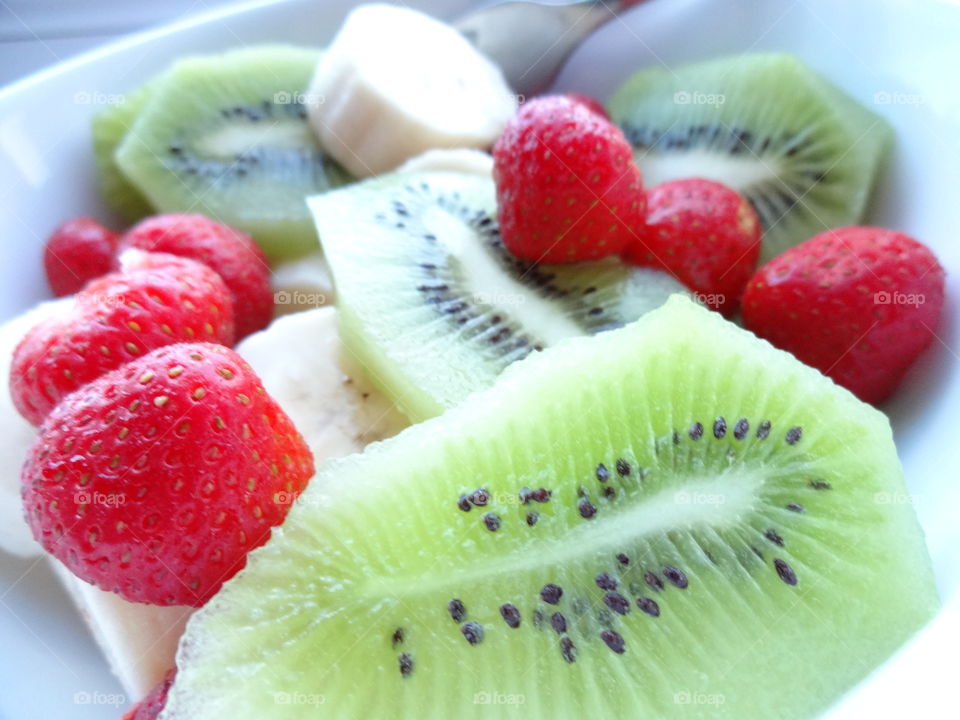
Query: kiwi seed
x,y
605,581
473,632
793,435
613,640
586,508
510,615
774,537
617,602
696,431
568,649
795,507
406,664
763,430
741,428
785,572
649,606
676,577
559,623
532,518
541,495
719,428
479,497
492,521
551,594
457,610
397,637
464,504
623,559
623,467
602,473
653,581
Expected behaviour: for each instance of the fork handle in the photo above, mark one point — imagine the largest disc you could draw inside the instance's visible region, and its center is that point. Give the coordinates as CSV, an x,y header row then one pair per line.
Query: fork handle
x,y
531,42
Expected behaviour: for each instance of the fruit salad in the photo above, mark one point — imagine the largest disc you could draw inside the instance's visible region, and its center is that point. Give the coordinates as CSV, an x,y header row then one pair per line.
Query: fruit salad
x,y
386,384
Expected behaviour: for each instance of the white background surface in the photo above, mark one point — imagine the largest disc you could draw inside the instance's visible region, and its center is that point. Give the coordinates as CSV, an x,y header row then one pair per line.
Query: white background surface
x,y
905,48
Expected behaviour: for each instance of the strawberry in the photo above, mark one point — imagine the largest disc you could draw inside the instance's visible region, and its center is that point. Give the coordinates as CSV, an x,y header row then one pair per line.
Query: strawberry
x,y
703,233
151,706
155,300
590,102
231,253
858,303
567,187
76,252
155,480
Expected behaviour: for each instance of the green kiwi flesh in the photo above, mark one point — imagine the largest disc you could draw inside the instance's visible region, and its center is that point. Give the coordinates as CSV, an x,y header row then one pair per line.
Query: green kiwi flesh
x,y
803,152
434,307
109,127
668,520
227,136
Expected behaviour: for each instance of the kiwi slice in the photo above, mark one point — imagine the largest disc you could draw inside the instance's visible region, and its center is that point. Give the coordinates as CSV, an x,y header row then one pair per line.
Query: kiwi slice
x,y
800,150
669,520
227,136
110,126
432,304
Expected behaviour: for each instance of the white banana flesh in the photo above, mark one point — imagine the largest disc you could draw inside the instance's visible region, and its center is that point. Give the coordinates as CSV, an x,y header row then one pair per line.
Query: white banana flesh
x,y
303,365
301,284
395,83
139,641
463,160
17,434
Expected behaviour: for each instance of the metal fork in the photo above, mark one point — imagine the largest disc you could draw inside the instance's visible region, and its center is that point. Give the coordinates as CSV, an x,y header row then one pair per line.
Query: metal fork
x,y
530,41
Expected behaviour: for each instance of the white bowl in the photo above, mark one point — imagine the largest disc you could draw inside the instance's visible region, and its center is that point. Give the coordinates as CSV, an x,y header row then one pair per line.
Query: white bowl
x,y
899,58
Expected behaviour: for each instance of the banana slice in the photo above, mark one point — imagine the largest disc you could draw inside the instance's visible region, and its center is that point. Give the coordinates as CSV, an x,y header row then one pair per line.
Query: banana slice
x,y
17,434
395,83
303,366
301,284
139,641
465,160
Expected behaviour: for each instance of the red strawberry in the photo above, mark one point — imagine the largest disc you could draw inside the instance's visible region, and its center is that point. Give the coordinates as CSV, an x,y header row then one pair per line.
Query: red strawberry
x,y
155,300
859,304
155,480
705,234
590,102
76,252
567,187
233,254
150,707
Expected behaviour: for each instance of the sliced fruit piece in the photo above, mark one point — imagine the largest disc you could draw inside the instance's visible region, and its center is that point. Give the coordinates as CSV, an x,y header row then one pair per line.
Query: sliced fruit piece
x,y
227,136
232,254
804,153
703,233
154,300
395,82
152,705
568,190
18,433
860,304
304,366
434,307
465,160
339,412
78,251
301,284
228,456
139,641
110,126
671,510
